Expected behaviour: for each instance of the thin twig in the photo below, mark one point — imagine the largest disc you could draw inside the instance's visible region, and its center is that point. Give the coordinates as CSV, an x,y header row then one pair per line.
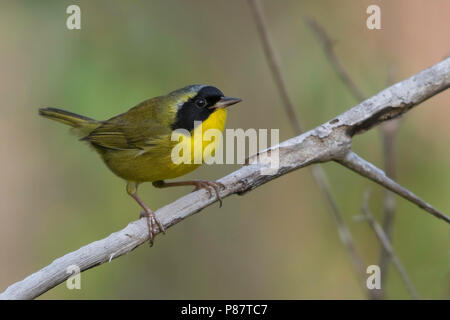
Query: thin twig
x,y
317,171
274,66
328,45
354,162
386,244
388,131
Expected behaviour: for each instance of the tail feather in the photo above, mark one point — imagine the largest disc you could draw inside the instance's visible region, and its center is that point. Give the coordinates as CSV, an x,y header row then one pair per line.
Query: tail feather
x,y
81,123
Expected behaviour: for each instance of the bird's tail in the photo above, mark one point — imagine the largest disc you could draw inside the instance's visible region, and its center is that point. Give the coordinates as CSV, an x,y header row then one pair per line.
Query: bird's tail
x,y
83,125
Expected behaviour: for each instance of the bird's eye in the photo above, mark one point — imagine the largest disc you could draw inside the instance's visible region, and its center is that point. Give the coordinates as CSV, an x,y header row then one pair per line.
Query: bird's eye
x,y
200,102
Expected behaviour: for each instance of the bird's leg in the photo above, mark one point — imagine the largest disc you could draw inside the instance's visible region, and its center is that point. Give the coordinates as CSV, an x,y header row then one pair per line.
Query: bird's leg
x,y
199,184
152,220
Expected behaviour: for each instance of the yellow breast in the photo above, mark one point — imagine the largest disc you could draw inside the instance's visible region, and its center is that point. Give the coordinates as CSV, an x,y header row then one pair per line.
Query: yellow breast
x,y
158,163
202,143
206,138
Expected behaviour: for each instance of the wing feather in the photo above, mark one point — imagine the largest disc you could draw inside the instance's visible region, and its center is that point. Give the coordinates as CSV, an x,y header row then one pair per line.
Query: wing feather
x,y
135,129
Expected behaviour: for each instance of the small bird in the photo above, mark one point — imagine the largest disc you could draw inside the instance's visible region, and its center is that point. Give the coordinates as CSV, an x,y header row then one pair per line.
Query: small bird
x,y
137,145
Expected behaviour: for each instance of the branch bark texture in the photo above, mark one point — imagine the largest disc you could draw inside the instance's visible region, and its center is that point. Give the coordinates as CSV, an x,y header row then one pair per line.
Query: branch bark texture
x,y
317,171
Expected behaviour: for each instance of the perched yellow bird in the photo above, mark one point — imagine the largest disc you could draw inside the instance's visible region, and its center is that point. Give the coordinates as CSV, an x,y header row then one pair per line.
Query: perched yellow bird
x,y
137,145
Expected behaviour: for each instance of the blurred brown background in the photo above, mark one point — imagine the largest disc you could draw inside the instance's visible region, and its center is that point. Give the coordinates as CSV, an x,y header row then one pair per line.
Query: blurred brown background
x,y
277,242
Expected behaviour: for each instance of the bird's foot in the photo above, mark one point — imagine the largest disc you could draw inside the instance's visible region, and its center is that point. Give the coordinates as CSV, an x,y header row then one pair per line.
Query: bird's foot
x,y
153,223
208,185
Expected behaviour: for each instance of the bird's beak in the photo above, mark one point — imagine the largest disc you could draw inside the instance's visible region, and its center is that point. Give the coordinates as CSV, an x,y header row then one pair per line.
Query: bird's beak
x,y
226,102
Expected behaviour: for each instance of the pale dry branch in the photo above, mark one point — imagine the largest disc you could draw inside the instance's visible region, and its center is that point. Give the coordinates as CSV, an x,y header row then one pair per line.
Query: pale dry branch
x,y
388,131
354,162
327,142
318,173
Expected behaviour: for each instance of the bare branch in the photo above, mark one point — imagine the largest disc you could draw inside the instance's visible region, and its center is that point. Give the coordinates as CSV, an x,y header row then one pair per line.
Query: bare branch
x,y
388,131
328,45
317,171
257,10
354,162
329,141
343,231
386,244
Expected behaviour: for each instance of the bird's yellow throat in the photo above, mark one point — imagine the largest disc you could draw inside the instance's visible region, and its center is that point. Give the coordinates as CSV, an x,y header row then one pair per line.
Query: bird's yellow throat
x,y
204,136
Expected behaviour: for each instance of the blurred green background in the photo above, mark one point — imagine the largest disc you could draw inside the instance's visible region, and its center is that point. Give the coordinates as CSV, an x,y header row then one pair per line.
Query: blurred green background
x,y
277,242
